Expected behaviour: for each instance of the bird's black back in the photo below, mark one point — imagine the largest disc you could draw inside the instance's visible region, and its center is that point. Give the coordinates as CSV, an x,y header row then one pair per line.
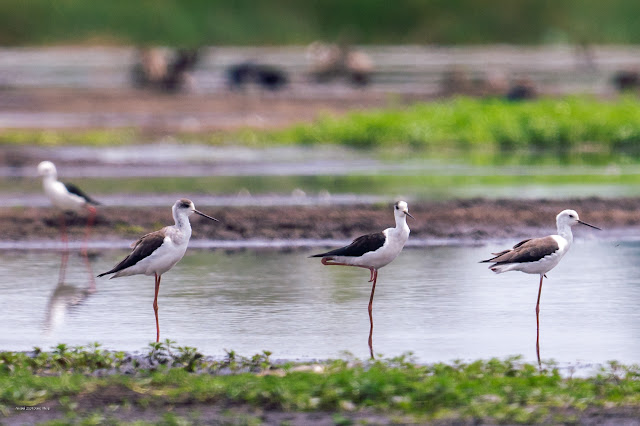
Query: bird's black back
x,y
143,248
359,246
80,193
531,250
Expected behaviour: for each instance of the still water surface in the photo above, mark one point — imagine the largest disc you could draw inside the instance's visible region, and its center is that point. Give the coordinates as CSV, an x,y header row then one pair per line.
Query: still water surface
x,y
437,302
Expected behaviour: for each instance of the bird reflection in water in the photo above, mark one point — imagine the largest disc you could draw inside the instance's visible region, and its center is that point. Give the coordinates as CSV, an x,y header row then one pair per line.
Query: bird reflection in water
x,y
65,297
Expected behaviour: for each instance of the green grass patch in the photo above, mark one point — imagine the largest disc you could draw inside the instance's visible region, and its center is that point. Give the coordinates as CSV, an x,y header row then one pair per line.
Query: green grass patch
x,y
573,124
506,391
51,138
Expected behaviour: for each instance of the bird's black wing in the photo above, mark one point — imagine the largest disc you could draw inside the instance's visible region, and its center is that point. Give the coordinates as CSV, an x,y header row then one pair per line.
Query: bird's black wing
x,y
359,246
80,193
142,248
526,251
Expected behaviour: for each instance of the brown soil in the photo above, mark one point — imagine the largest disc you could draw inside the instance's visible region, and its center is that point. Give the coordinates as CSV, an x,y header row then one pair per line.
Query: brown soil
x,y
156,112
469,220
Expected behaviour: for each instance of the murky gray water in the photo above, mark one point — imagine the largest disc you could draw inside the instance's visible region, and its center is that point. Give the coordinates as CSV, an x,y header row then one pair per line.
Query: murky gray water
x,y
437,302
305,169
171,159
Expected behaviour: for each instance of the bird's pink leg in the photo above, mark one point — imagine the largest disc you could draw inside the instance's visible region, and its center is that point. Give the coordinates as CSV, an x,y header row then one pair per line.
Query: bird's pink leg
x,y
63,232
155,306
538,320
374,278
90,222
374,274
63,266
92,281
373,289
327,261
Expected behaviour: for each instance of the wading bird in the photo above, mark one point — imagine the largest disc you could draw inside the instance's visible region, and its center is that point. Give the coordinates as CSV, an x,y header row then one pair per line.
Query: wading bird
x,y
373,251
157,252
67,197
539,256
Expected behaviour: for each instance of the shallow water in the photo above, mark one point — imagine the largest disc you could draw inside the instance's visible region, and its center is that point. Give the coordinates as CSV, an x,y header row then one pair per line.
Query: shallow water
x,y
158,174
174,159
437,302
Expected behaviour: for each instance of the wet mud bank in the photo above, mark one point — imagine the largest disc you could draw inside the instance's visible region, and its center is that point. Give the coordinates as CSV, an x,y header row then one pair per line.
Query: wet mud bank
x,y
157,113
469,220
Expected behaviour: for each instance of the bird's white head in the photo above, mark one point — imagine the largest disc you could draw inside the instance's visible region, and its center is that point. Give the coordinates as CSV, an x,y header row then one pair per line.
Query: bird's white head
x,y
569,218
401,210
185,207
47,169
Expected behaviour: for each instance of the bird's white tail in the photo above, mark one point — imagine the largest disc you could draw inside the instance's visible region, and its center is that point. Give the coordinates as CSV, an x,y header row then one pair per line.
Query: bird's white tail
x,y
498,269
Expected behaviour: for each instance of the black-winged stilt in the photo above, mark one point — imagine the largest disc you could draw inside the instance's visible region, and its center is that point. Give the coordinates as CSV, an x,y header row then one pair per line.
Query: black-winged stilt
x,y
157,252
539,256
67,197
373,251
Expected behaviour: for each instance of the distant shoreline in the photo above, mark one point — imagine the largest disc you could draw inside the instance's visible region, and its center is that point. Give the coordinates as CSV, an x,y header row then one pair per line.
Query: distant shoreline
x,y
473,220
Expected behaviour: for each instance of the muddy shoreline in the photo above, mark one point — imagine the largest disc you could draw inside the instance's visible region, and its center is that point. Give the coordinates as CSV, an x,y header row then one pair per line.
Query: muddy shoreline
x,y
470,220
155,113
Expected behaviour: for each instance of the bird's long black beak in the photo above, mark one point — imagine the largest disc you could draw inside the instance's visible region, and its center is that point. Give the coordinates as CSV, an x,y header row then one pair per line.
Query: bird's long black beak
x,y
591,226
204,215
409,214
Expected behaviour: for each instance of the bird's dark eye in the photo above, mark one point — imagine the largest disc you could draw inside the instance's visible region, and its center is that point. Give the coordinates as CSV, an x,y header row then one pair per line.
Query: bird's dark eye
x,y
397,208
571,216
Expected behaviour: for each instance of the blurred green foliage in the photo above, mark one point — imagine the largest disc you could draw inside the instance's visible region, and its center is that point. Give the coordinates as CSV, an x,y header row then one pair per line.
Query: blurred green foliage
x,y
556,125
211,22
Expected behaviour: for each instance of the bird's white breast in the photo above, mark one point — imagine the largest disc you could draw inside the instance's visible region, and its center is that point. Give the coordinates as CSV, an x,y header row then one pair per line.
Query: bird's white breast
x,y
60,197
395,241
164,258
545,264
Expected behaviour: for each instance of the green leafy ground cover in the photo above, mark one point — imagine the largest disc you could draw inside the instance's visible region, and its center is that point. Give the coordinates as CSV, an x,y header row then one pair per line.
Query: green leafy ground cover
x,y
465,124
507,391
